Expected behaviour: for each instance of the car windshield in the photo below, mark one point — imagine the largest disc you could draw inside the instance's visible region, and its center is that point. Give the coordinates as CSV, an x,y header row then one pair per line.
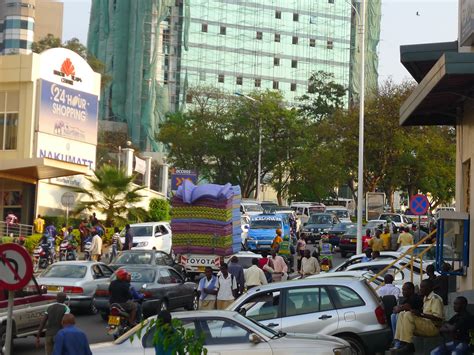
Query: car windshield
x,y
391,217
352,230
142,231
342,226
139,275
339,213
320,219
316,209
66,271
253,208
133,258
265,224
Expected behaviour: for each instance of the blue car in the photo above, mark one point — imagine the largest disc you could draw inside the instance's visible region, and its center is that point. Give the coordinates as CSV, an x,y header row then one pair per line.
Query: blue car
x,y
262,231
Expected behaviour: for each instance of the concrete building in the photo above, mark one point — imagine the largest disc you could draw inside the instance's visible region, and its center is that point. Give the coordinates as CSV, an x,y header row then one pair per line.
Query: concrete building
x,y
24,21
444,96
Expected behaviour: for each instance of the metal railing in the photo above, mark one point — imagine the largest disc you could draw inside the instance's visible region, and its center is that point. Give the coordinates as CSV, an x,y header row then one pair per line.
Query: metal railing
x,y
15,230
413,258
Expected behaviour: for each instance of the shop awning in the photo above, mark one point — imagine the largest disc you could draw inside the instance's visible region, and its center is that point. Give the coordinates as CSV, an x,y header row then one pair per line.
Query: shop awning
x,y
34,169
440,94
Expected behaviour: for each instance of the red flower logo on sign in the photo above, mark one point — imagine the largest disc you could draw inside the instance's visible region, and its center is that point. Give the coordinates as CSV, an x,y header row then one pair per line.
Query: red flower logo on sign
x,y
67,68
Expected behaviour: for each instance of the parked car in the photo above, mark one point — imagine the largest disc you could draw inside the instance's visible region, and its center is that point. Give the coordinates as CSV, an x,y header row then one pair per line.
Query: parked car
x,y
228,332
250,207
343,307
162,287
245,258
337,231
341,212
305,209
29,305
348,242
317,224
398,220
360,275
78,279
150,236
145,257
357,258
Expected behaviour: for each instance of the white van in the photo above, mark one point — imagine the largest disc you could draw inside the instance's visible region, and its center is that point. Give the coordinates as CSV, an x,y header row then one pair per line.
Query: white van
x,y
341,212
150,236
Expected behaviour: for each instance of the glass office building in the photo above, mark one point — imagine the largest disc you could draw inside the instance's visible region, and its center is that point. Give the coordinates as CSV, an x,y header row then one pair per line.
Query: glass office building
x,y
268,44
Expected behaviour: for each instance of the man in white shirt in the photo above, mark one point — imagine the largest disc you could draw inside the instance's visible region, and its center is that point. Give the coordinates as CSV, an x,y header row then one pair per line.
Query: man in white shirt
x,y
208,290
254,276
309,265
96,247
389,288
226,288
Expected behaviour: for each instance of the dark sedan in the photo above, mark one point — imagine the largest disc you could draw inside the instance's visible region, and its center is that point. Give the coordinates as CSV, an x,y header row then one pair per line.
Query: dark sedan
x,y
348,242
336,232
162,287
318,224
145,257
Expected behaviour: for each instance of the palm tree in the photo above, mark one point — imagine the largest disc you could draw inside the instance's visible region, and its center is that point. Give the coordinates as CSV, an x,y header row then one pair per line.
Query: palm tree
x,y
113,194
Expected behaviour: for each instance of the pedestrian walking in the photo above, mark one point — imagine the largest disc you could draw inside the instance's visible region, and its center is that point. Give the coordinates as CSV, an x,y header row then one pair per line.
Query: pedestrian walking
x,y
96,247
254,276
309,265
405,238
52,321
71,340
207,290
226,288
115,243
39,224
277,240
266,264
280,269
300,248
375,243
386,239
237,271
128,238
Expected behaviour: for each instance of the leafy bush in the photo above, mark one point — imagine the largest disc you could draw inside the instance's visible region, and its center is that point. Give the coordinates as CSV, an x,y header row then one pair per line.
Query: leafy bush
x,y
159,210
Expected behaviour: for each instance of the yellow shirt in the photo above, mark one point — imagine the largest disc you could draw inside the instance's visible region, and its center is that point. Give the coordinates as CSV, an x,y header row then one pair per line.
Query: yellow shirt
x,y
276,242
433,305
39,225
386,240
376,244
405,239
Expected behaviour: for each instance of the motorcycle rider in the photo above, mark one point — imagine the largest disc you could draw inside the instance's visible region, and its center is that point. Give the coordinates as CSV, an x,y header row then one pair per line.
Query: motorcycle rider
x,y
121,293
137,297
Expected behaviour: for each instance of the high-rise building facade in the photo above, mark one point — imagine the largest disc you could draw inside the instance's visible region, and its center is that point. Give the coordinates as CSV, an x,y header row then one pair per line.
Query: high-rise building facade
x,y
270,44
24,21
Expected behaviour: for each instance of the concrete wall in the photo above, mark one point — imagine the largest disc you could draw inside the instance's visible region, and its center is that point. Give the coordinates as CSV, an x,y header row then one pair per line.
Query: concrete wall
x,y
48,19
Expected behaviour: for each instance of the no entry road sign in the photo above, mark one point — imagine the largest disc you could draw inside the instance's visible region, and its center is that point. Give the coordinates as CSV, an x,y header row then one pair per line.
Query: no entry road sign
x,y
419,205
16,268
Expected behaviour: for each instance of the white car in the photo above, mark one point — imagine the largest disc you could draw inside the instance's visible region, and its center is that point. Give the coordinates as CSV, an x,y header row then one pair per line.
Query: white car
x,y
245,258
250,208
226,333
150,236
397,219
341,212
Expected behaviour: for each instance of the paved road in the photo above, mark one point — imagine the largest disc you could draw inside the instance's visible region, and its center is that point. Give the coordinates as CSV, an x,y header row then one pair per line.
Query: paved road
x,y
94,327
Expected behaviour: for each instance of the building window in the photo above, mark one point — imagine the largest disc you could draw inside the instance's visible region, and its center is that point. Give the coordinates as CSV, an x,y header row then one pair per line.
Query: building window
x,y
293,86
312,42
204,27
278,14
275,85
331,1
296,17
220,78
239,80
294,63
295,40
330,45
223,30
259,35
258,83
276,62
277,37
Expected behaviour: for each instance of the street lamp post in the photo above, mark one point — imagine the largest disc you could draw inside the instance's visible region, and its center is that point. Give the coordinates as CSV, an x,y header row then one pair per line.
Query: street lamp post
x,y
259,166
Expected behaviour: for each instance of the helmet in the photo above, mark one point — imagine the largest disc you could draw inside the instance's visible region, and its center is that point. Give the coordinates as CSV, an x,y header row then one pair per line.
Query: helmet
x,y
121,274
278,231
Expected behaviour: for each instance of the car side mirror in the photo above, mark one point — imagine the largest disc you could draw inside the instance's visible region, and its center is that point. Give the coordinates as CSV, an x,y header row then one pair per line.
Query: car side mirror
x,y
254,339
158,234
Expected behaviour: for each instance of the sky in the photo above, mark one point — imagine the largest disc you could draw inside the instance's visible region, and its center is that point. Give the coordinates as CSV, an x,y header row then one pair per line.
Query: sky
x,y
437,21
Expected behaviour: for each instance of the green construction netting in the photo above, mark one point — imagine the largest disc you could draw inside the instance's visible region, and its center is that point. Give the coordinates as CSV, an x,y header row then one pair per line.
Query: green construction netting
x,y
124,35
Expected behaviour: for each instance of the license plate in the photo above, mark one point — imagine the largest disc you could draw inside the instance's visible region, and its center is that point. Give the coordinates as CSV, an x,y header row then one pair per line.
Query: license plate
x,y
201,268
54,289
353,240
114,320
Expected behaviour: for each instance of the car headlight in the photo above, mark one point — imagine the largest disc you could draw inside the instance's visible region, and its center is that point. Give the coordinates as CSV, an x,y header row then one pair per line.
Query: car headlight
x,y
142,244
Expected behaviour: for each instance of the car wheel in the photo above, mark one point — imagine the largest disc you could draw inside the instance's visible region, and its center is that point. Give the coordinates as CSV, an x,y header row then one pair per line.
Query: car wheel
x,y
355,343
194,305
164,305
343,254
92,309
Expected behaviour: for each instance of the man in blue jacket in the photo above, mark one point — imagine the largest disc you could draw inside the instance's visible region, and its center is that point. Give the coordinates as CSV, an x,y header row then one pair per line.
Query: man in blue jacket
x,y
71,340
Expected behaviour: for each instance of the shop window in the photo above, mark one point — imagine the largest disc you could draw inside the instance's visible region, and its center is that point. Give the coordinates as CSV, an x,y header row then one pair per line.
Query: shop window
x,y
220,78
275,85
259,35
239,80
312,42
204,27
223,30
278,14
258,83
277,37
276,62
294,40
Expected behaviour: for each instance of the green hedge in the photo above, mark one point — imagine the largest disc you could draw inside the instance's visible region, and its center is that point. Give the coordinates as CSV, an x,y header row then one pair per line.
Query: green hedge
x,y
159,210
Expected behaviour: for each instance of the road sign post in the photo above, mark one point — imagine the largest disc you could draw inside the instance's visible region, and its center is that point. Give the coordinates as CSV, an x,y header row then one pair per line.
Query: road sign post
x,y
67,200
16,270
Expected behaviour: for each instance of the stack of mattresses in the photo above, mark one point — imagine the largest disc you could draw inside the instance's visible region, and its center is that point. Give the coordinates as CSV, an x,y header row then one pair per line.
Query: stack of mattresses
x,y
206,219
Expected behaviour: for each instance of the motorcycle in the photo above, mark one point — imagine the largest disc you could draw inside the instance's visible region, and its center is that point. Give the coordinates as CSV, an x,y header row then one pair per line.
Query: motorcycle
x,y
42,256
118,321
87,248
66,251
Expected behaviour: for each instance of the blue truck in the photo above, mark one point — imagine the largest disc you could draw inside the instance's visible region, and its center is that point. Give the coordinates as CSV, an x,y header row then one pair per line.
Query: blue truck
x,y
262,231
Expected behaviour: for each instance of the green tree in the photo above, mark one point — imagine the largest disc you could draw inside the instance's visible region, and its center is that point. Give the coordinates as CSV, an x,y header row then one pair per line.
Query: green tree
x,y
159,210
112,193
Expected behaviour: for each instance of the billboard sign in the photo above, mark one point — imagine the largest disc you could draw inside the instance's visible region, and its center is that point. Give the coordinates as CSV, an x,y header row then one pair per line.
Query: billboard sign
x,y
466,22
178,176
374,204
67,112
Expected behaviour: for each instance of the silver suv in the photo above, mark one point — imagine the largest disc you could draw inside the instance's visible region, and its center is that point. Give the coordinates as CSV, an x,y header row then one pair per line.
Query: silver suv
x,y
346,307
